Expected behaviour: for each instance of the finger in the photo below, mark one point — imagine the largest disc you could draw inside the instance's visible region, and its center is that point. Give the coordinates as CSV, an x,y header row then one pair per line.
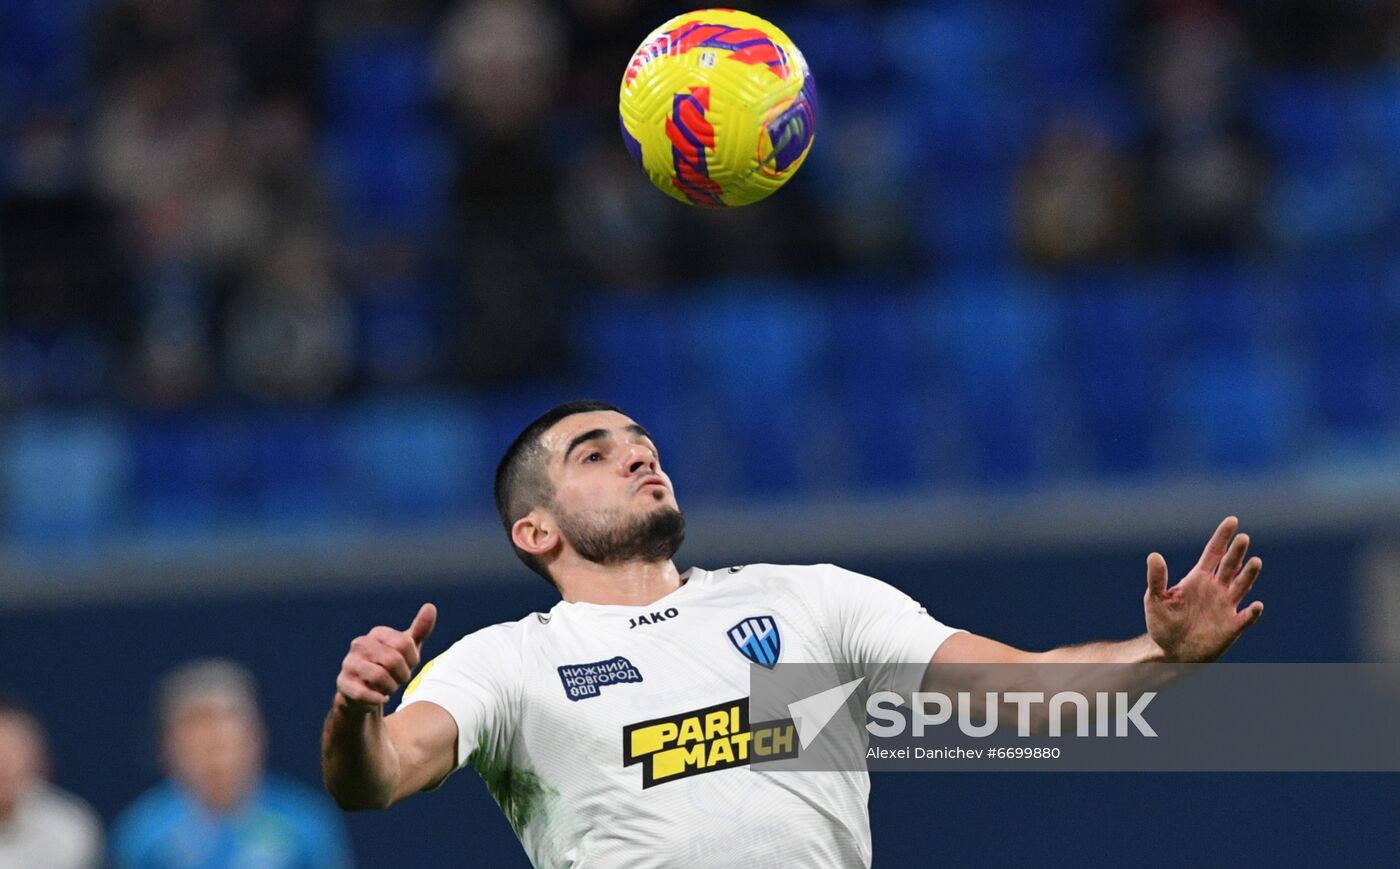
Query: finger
x,y
355,691
1215,549
371,675
1156,575
385,653
1240,585
423,624
1234,557
391,659
399,641
1250,614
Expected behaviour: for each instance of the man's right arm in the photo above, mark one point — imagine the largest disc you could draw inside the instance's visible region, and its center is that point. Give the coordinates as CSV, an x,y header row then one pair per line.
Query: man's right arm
x,y
368,760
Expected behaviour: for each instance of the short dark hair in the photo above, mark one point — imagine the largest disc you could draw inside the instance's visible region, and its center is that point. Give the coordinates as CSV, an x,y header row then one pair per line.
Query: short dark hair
x,y
522,483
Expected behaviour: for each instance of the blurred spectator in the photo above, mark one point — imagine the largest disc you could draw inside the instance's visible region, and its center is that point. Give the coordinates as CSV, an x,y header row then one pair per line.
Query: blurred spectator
x,y
41,827
276,45
64,302
398,304
1076,198
290,331
1339,34
616,224
220,810
1205,171
205,143
865,215
499,63
602,35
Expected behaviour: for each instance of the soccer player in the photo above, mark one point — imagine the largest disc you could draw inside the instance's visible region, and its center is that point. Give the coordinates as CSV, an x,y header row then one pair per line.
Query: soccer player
x,y
576,718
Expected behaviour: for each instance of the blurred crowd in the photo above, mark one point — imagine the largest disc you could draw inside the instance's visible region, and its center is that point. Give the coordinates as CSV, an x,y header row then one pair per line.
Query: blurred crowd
x,y
276,206
1192,174
291,201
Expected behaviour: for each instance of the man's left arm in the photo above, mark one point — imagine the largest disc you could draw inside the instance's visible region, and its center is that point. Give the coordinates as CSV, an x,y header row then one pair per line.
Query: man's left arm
x,y
1194,621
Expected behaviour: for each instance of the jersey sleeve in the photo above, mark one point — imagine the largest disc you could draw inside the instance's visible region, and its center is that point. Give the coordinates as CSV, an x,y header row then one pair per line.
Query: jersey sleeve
x,y
474,681
876,625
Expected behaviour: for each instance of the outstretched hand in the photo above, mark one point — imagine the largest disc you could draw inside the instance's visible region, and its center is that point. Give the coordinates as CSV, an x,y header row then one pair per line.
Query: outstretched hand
x,y
382,661
1197,619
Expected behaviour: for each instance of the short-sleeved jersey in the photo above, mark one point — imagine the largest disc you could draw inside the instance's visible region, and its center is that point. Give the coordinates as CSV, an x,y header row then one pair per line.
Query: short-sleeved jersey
x,y
563,714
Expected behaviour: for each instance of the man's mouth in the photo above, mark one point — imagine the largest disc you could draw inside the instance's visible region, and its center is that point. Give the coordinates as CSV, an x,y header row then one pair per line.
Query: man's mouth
x,y
651,481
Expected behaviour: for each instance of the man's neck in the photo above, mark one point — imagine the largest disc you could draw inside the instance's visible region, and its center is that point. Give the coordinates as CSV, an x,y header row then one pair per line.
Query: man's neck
x,y
631,583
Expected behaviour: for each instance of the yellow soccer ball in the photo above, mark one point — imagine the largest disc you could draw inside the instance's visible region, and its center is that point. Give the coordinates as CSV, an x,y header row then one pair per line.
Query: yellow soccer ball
x,y
718,107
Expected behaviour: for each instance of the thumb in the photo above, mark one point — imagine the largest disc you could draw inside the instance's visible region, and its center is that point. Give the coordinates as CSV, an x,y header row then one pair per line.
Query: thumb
x,y
1250,614
1156,575
423,624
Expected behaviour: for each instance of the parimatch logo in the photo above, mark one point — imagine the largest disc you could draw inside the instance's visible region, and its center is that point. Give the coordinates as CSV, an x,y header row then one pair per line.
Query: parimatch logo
x,y
704,740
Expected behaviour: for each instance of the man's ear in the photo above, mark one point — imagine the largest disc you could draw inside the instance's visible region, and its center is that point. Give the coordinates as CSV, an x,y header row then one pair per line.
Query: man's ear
x,y
534,533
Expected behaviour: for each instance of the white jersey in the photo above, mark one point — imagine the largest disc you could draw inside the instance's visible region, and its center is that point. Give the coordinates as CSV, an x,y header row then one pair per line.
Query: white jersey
x,y
576,719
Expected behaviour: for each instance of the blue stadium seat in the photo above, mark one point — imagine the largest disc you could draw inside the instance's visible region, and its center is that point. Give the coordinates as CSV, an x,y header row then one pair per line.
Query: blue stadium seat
x,y
176,461
383,153
836,44
1113,344
414,458
394,178
295,462
1377,106
1352,386
1066,44
384,74
1228,409
65,478
41,65
750,357
988,330
876,432
1302,118
960,78
398,325
1329,141
632,350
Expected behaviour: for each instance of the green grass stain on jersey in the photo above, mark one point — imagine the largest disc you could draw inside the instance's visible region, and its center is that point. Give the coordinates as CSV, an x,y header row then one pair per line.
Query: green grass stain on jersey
x,y
519,792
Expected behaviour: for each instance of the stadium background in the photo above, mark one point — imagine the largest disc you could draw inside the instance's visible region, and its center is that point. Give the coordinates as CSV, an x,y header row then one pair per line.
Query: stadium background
x,y
1060,283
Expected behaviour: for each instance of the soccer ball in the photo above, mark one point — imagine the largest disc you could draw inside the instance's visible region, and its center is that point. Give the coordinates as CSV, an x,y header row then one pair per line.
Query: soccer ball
x,y
718,107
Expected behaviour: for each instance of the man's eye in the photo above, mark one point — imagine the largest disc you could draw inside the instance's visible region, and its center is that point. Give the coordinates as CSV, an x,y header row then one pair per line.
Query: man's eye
x,y
593,457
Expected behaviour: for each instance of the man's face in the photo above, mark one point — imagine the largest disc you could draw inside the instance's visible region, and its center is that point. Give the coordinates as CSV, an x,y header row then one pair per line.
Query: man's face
x,y
214,748
611,499
19,761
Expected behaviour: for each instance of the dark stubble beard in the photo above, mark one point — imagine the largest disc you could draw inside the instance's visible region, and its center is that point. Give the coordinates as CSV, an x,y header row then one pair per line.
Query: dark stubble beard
x,y
654,537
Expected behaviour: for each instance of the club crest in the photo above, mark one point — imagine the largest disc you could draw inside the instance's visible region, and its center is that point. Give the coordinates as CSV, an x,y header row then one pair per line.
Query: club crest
x,y
757,639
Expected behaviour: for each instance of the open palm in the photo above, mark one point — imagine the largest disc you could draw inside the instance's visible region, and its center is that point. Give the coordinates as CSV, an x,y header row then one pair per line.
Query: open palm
x,y
1199,618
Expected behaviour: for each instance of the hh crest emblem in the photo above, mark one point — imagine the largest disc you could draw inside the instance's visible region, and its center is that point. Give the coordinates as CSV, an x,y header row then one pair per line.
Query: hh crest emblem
x,y
757,639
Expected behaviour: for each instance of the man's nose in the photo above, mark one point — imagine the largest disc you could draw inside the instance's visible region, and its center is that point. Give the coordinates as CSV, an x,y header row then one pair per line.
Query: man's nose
x,y
639,461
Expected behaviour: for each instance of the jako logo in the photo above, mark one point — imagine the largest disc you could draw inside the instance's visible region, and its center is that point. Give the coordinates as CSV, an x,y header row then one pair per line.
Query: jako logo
x,y
653,617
